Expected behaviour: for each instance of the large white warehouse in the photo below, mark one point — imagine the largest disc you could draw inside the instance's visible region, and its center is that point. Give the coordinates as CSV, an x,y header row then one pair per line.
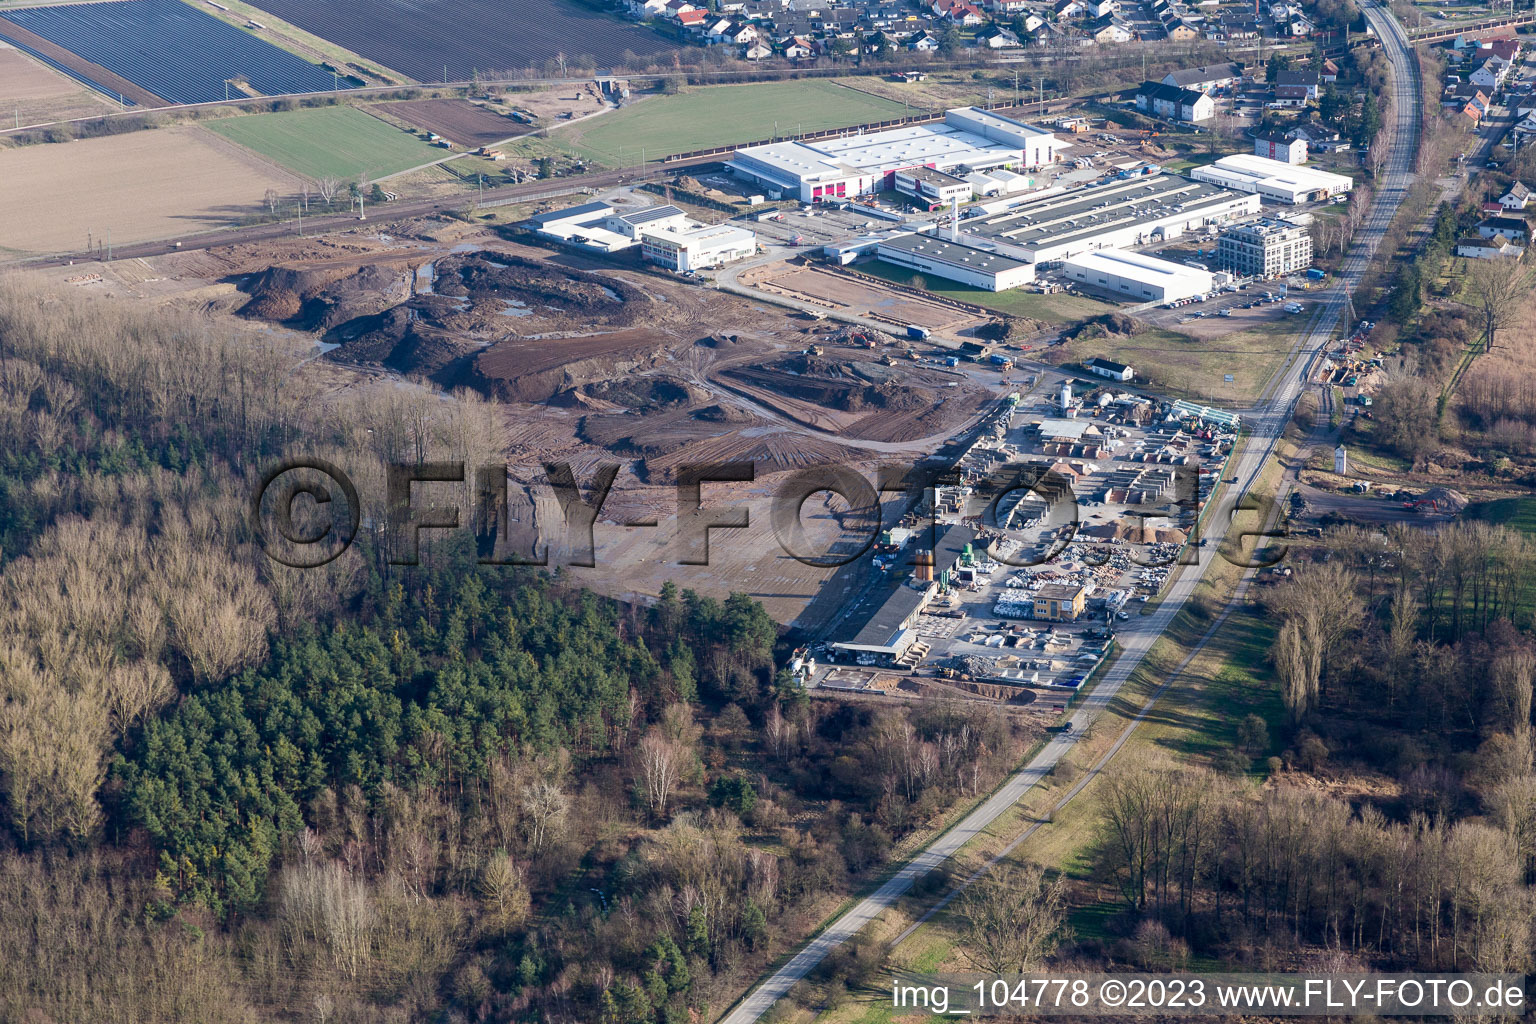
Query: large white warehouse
x,y
851,165
1141,277
1273,179
957,260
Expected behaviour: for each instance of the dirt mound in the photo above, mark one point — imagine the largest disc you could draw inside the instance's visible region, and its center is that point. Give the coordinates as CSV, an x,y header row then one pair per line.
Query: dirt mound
x,y
1010,328
1107,325
412,338
536,370
310,297
644,394
483,276
848,387
723,414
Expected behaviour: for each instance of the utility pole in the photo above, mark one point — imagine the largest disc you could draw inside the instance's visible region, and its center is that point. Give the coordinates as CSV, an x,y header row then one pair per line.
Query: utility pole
x,y
300,211
1042,94
109,245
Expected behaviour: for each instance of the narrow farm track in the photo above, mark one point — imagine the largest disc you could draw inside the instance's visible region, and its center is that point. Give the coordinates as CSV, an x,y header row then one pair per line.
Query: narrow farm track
x,y
1265,425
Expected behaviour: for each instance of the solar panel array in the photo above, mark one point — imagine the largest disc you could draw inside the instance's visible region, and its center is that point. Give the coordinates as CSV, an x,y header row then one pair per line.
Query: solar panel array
x,y
170,48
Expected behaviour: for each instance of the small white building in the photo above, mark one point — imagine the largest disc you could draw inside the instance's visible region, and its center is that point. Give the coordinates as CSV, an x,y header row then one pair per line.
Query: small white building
x,y
1516,198
685,249
1487,248
1137,275
586,225
1340,461
1101,367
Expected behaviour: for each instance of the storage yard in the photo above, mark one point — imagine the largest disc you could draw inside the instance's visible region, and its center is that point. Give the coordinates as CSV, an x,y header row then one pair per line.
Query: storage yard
x,y
835,291
139,186
458,38
177,52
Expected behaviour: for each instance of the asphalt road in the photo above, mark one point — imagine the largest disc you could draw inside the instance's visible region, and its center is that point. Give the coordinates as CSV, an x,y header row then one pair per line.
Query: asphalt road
x,y
1137,638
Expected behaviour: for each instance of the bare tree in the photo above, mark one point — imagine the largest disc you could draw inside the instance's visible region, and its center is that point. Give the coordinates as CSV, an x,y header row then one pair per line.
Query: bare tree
x,y
1319,606
504,891
271,198
1496,286
1377,157
329,189
544,805
658,769
1013,919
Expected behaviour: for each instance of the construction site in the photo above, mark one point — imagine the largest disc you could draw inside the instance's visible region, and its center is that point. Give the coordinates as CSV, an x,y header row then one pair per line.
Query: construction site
x,y
593,361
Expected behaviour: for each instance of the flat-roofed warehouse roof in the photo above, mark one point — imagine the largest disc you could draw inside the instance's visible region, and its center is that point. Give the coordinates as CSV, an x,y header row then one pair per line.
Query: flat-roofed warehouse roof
x,y
1064,223
955,253
930,175
883,627
1166,278
1064,429
914,145
593,210
651,213
1274,179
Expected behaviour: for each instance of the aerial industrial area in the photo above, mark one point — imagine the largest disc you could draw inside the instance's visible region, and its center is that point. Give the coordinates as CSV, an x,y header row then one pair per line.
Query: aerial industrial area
x,y
811,499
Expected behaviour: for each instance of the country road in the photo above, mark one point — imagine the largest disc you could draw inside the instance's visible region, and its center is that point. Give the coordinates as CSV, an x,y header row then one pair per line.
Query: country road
x,y
1265,425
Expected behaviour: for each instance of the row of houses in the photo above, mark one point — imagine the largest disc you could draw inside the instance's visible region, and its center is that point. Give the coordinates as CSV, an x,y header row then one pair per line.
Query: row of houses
x,y
1504,230
785,28
1483,68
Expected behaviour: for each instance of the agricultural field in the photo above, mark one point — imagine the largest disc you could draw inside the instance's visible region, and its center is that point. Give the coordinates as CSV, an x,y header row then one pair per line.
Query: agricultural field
x,y
723,115
465,123
459,38
139,186
31,92
328,142
170,49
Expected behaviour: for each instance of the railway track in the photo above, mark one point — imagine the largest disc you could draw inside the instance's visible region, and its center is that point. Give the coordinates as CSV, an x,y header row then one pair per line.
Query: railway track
x,y
527,192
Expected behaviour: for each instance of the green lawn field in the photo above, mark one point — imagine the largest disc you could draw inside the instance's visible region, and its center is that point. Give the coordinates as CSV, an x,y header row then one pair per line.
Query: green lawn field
x,y
328,142
722,115
1516,513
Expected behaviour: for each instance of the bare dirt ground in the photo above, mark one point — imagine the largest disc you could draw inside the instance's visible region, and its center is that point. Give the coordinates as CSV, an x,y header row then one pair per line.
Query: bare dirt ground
x,y
548,104
460,121
140,186
835,291
630,368
31,92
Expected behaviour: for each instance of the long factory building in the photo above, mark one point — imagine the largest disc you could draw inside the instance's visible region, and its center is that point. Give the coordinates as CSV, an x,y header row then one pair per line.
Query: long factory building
x,y
856,164
958,259
1116,215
